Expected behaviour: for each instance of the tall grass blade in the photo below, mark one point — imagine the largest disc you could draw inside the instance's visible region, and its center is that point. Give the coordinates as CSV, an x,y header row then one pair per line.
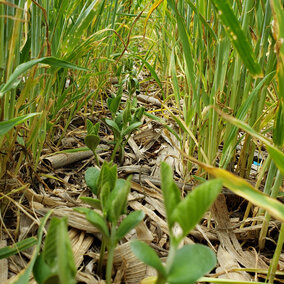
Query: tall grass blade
x,y
237,36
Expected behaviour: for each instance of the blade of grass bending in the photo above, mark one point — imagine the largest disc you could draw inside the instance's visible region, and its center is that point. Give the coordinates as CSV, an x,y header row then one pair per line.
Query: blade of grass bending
x,y
152,9
237,36
7,125
52,61
242,188
17,247
152,71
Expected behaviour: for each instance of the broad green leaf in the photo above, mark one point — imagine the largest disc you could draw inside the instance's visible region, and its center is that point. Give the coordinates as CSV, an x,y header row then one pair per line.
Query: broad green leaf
x,y
114,127
89,126
127,113
42,272
92,141
105,198
119,198
92,177
108,174
190,210
138,114
95,219
171,192
17,247
242,188
20,69
95,203
148,256
131,127
7,125
113,104
190,263
96,128
24,276
65,263
129,223
237,35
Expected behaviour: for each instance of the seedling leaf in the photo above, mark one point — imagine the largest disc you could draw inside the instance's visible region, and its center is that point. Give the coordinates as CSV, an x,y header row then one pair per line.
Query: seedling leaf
x,y
131,127
190,263
95,203
190,210
95,219
171,192
129,223
92,141
148,256
92,176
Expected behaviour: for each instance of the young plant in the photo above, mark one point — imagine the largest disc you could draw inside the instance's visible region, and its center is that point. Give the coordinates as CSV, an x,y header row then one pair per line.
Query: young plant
x,y
55,263
92,139
190,262
123,123
111,201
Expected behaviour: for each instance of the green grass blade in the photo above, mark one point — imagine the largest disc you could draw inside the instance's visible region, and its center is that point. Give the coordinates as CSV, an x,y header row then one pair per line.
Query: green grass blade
x,y
237,36
7,125
19,246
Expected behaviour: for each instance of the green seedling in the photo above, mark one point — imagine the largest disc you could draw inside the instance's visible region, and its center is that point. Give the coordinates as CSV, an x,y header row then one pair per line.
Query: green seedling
x,y
92,139
55,263
187,264
123,123
111,201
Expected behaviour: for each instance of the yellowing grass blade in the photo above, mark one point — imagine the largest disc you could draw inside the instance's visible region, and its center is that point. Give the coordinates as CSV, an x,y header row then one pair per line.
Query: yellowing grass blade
x,y
242,188
152,9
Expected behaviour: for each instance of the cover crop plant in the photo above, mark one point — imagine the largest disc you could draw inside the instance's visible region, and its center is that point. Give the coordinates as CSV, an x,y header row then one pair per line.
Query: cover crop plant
x,y
186,264
111,202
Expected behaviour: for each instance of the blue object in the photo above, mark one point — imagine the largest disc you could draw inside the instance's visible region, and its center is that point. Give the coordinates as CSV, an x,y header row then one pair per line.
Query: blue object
x,y
256,163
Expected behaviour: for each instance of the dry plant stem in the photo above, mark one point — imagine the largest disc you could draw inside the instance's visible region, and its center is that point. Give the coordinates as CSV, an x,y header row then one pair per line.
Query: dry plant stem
x,y
275,260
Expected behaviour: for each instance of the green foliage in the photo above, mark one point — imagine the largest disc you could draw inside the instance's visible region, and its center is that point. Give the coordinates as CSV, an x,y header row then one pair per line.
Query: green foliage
x,y
24,276
112,195
123,123
7,125
189,263
17,247
56,263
